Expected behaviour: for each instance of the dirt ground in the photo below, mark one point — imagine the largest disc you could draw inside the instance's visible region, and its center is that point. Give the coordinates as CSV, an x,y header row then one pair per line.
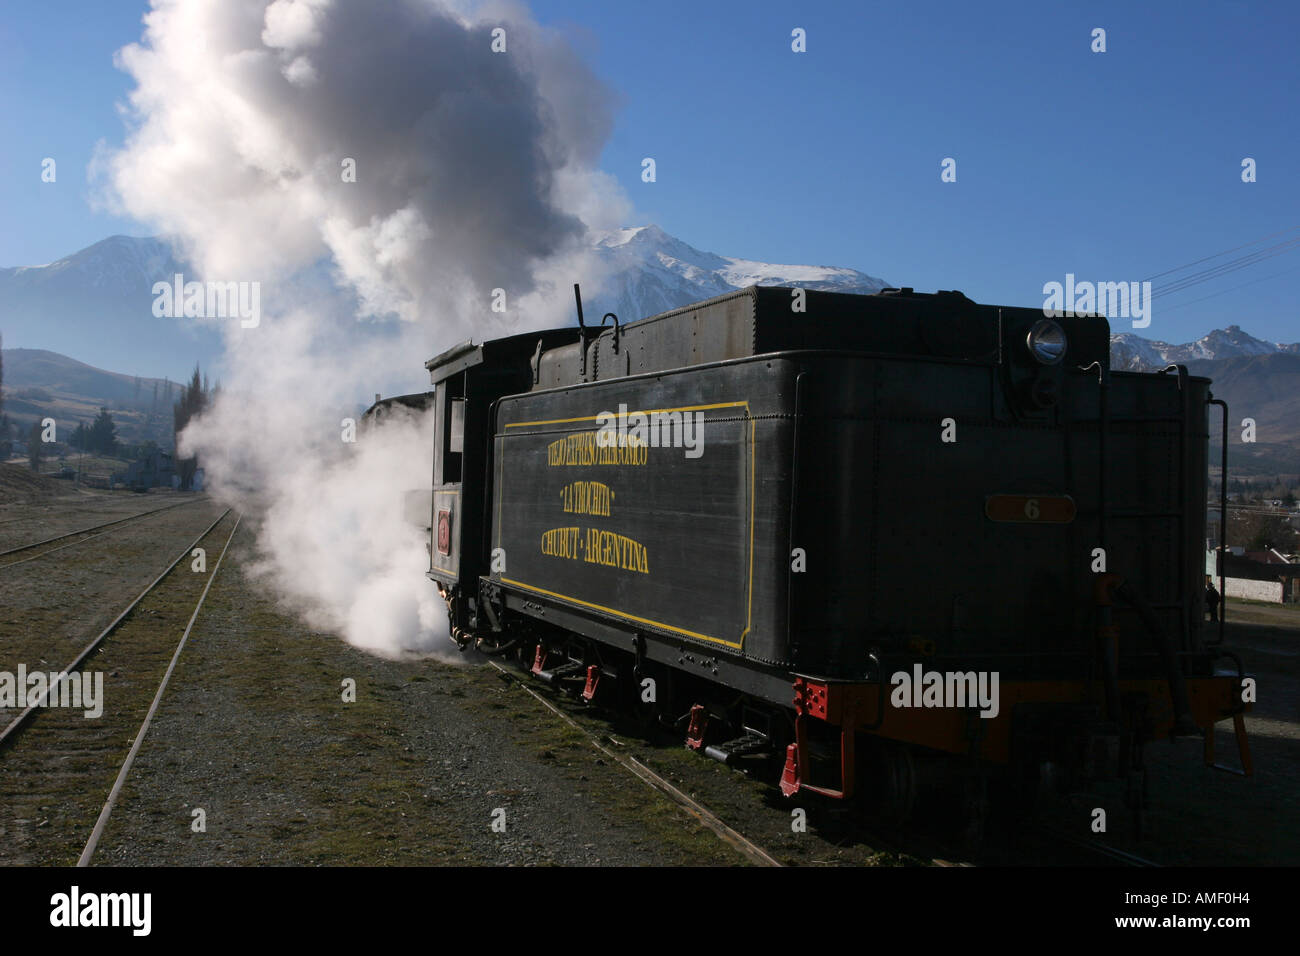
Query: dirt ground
x,y
254,730
54,775
64,507
56,604
441,761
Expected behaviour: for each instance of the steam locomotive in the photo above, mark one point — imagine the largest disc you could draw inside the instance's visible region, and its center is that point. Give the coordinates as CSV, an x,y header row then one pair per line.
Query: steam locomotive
x,y
847,537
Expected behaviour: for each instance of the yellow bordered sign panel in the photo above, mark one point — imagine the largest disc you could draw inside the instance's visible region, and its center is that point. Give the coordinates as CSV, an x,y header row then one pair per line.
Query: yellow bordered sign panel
x,y
1030,509
537,462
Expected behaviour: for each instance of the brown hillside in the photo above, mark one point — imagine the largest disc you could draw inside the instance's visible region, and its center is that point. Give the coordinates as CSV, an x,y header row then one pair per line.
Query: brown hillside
x,y
20,483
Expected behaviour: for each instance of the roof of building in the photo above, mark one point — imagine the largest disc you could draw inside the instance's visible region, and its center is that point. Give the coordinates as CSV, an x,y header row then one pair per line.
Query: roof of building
x,y
1269,556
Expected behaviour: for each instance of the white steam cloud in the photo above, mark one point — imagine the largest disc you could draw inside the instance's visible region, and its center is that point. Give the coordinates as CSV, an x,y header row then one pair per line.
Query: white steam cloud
x,y
475,170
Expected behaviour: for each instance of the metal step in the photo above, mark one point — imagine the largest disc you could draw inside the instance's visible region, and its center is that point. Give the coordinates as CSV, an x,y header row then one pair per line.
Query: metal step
x,y
751,743
563,672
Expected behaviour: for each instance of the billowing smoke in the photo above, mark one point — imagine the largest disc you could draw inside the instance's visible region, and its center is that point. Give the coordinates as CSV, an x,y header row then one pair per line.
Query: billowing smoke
x,y
431,162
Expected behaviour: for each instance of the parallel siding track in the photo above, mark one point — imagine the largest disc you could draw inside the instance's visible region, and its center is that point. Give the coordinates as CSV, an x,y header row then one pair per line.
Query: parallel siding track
x,y
116,525
53,760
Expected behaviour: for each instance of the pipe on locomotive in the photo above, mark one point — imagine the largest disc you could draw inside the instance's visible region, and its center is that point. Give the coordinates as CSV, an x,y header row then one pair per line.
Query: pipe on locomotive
x,y
1221,558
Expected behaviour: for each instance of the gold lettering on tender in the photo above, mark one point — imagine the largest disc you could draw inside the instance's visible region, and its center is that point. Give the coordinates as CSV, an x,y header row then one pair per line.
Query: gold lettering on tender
x,y
587,498
582,448
615,551
560,542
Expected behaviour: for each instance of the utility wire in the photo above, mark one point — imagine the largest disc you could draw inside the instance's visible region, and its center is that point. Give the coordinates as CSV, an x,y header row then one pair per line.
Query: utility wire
x,y
1225,268
1253,242
1165,310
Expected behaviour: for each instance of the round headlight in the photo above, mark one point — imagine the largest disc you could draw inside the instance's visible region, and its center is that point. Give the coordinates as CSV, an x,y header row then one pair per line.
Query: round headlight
x,y
1046,341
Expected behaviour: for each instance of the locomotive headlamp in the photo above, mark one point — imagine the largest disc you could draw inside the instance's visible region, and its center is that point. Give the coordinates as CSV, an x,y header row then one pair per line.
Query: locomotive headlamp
x,y
1046,341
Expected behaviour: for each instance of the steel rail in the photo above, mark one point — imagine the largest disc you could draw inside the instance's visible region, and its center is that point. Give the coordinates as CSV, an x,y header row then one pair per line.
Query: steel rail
x,y
93,842
18,722
106,524
738,841
1110,852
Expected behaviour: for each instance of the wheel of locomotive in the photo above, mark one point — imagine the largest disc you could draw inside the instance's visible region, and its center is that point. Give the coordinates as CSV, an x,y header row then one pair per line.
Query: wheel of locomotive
x,y
975,811
644,713
888,789
902,792
772,765
653,694
1015,796
1137,798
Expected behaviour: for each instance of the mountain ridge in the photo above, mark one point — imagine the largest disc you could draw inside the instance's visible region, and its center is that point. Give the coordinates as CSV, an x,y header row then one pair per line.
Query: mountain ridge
x,y
39,383
102,297
1131,352
653,272
97,303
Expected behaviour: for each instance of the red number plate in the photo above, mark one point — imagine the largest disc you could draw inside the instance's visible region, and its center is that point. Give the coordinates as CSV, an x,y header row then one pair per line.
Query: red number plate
x,y
1030,509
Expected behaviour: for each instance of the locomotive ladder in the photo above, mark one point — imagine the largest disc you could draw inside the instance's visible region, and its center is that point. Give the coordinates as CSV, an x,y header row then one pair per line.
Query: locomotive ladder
x,y
1181,596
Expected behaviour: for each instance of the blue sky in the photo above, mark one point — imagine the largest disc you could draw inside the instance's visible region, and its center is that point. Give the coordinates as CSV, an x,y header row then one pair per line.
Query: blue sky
x,y
1112,166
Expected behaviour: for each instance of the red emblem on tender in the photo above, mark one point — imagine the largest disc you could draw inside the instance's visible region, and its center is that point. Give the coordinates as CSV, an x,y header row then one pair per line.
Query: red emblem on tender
x,y
444,532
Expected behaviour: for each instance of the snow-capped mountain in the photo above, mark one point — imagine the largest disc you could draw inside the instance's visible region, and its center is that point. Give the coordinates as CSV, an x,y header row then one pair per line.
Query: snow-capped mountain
x,y
96,304
654,272
1133,353
113,267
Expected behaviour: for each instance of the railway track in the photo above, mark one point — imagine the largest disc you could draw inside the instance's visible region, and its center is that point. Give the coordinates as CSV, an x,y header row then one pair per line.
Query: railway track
x,y
1046,846
929,852
738,841
1037,845
55,765
64,503
1094,849
84,534
55,603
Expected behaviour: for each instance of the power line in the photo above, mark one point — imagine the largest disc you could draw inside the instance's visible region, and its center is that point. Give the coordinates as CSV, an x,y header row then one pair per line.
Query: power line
x,y
1253,242
1167,309
1232,265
